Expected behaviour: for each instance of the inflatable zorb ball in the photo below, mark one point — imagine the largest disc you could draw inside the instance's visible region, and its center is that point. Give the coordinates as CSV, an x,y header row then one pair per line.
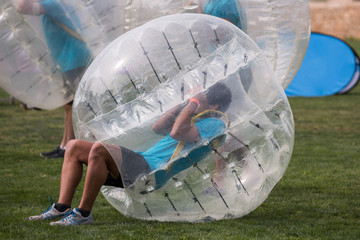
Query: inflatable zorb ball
x,y
28,70
281,28
149,70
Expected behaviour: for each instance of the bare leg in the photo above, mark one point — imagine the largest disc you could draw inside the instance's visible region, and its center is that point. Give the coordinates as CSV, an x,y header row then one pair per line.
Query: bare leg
x,y
100,163
75,156
220,166
68,126
219,176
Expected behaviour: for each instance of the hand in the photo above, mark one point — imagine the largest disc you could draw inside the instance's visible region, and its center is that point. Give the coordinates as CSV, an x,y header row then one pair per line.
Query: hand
x,y
203,102
29,7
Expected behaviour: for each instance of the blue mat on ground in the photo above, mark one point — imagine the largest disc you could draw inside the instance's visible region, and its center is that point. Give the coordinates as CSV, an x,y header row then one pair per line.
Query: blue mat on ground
x,y
330,67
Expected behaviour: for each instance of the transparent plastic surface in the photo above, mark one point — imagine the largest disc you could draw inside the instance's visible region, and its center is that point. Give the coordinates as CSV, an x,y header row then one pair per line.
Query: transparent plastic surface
x,y
280,28
28,68
153,68
293,24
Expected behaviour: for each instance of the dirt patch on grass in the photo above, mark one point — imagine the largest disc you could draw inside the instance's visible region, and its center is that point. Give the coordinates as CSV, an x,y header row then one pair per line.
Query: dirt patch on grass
x,y
340,18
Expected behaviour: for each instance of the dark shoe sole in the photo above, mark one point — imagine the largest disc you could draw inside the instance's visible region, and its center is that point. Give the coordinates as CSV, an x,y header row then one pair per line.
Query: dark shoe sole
x,y
52,152
59,154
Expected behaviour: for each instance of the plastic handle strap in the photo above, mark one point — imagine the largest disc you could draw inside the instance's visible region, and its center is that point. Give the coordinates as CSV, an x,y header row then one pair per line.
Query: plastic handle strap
x,y
181,144
69,30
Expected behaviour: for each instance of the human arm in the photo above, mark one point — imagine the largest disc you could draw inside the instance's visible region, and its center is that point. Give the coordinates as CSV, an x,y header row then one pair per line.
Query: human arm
x,y
51,8
183,130
29,7
164,124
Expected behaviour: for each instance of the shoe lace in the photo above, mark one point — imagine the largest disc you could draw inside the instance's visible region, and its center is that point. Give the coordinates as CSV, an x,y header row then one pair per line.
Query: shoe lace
x,y
69,216
50,206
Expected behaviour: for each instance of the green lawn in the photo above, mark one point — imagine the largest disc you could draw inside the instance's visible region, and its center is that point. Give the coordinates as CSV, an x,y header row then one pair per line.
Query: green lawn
x,y
318,197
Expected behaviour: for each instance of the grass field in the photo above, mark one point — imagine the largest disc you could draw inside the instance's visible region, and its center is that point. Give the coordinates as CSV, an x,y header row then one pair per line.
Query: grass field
x,y
318,197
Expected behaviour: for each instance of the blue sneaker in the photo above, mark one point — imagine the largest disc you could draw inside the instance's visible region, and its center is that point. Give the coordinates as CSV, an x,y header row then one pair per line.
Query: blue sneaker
x,y
74,218
50,213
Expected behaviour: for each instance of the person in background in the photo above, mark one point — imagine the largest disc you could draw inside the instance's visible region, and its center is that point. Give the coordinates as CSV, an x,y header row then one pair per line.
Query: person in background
x,y
225,9
67,49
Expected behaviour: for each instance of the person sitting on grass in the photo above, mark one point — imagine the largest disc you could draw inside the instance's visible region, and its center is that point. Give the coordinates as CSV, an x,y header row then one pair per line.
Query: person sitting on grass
x,y
127,165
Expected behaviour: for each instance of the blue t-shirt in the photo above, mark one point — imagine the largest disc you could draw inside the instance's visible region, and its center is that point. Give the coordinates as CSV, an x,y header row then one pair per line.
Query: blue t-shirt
x,y
226,9
161,152
67,51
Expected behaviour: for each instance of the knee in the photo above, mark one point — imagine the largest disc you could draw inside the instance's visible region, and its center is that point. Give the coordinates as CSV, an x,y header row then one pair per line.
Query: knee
x,y
72,147
98,151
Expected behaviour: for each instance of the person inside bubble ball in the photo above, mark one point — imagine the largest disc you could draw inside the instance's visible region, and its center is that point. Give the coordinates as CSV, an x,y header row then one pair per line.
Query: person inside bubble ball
x,y
67,49
127,165
226,9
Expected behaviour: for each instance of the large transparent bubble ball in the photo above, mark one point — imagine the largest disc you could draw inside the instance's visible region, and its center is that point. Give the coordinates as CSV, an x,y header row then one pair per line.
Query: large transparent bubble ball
x,y
149,70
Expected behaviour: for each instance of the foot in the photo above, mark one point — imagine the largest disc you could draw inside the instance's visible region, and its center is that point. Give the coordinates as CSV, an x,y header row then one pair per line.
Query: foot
x,y
74,218
218,185
214,190
56,153
50,213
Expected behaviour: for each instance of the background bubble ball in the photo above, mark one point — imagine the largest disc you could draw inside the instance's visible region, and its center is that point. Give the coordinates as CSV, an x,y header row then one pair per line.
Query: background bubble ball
x,y
281,28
